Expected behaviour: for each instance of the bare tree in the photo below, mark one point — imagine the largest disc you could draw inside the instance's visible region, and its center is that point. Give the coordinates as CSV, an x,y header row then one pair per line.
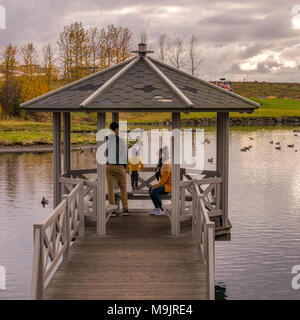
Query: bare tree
x,y
178,56
125,44
107,46
163,47
64,52
144,37
29,58
48,64
94,47
116,38
195,57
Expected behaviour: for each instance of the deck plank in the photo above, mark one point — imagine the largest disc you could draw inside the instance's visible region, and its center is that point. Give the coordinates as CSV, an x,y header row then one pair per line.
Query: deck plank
x,y
138,259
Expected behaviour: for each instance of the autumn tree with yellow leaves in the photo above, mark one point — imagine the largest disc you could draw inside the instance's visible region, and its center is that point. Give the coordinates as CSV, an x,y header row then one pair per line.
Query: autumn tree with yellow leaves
x,y
10,89
82,51
29,72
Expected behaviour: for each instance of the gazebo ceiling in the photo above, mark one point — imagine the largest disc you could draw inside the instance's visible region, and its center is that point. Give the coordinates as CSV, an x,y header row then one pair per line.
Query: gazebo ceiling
x,y
140,84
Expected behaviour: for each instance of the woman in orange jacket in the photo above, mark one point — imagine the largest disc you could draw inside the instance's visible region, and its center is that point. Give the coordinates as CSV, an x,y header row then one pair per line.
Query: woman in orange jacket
x,y
164,186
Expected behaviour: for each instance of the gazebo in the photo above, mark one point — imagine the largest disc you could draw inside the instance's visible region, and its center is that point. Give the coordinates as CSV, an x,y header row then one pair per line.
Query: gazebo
x,y
139,84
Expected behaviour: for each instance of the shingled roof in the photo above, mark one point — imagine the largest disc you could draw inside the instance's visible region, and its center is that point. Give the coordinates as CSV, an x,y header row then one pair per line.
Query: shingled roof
x,y
140,84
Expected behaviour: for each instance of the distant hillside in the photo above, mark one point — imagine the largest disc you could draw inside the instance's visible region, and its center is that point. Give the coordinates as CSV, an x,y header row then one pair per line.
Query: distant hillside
x,y
273,89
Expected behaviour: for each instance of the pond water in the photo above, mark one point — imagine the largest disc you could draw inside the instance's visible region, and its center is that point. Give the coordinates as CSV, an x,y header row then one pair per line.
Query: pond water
x,y
264,204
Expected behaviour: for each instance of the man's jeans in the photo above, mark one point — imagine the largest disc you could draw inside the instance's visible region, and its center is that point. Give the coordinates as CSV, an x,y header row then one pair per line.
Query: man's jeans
x,y
155,195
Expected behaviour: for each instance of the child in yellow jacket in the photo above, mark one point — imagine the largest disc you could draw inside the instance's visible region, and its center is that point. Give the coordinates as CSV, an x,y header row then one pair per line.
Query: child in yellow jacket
x,y
135,164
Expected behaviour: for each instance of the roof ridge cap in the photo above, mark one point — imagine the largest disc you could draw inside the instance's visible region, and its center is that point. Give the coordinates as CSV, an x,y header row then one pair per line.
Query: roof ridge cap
x,y
171,85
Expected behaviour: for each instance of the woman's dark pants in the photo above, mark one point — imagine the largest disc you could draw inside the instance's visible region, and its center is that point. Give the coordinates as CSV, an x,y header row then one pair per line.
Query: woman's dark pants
x,y
155,195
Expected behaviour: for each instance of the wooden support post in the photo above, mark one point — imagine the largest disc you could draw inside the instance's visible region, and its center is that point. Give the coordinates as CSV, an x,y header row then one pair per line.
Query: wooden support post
x,y
115,117
175,218
223,160
101,184
67,227
210,273
66,143
56,158
37,289
81,211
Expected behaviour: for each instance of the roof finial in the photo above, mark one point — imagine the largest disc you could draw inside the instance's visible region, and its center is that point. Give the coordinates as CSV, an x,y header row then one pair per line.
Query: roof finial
x,y
142,50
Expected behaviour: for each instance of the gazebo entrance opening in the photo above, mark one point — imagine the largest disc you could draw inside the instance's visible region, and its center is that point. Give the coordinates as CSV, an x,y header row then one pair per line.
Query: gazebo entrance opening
x,y
178,204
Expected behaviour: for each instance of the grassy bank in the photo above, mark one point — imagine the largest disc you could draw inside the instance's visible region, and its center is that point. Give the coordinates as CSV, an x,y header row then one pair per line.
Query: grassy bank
x,y
40,133
17,132
269,89
270,108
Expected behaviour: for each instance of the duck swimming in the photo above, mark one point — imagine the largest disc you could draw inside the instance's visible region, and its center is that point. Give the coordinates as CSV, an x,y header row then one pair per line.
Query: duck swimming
x,y
44,201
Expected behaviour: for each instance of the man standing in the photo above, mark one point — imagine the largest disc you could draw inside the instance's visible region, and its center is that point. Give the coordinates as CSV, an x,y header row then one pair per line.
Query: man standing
x,y
116,153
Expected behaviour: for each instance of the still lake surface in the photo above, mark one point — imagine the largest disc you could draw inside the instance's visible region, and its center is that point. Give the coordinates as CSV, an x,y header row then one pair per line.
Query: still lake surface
x,y
264,203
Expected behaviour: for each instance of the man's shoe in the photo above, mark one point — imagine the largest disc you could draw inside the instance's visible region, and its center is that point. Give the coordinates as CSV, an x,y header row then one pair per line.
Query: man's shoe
x,y
126,212
113,214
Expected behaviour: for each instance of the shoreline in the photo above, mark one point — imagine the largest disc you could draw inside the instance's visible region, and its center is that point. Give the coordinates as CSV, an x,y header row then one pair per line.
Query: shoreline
x,y
233,121
39,148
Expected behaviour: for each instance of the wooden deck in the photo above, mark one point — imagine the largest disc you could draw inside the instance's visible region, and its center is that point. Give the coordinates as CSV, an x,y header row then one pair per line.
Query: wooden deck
x,y
138,259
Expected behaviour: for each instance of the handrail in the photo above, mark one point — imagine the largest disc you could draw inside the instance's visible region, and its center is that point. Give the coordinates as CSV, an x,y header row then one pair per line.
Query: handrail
x,y
203,228
149,168
210,190
204,233
144,183
89,193
53,237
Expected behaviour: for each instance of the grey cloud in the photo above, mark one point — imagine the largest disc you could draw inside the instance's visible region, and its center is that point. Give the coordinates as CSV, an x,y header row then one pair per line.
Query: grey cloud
x,y
253,49
230,32
229,28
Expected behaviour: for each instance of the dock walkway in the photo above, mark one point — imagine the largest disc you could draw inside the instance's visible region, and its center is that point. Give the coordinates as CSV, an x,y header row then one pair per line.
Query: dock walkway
x,y
138,259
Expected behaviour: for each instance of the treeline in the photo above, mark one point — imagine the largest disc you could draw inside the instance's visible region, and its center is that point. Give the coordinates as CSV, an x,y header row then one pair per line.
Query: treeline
x,y
28,72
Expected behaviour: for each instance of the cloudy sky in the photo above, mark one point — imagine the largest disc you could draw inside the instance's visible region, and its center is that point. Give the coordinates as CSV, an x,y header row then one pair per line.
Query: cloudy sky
x,y
256,40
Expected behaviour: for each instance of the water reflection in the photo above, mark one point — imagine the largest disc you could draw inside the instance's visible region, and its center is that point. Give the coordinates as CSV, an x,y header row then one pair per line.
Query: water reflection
x,y
11,176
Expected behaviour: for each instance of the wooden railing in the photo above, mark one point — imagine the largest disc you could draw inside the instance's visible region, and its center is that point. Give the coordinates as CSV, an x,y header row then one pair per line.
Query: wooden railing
x,y
53,238
205,205
81,174
210,190
186,201
89,193
209,187
204,233
185,174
